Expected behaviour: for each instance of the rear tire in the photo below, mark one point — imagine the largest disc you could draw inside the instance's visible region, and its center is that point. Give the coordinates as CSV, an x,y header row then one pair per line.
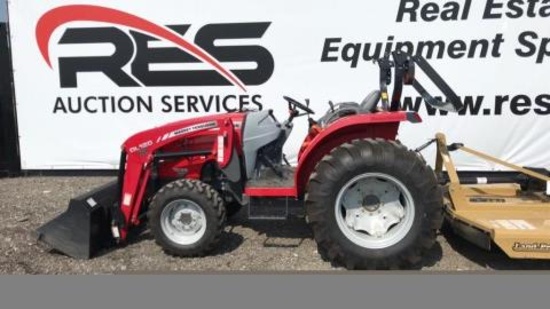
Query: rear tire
x,y
187,217
373,204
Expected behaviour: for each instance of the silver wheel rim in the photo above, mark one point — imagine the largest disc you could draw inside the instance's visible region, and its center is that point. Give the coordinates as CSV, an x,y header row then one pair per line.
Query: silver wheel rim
x,y
374,210
183,222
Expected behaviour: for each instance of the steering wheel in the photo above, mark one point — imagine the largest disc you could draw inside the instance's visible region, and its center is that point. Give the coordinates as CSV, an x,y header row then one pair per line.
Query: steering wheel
x,y
299,105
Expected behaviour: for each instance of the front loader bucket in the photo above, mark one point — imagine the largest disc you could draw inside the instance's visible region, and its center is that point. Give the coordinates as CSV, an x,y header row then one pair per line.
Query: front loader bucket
x,y
85,227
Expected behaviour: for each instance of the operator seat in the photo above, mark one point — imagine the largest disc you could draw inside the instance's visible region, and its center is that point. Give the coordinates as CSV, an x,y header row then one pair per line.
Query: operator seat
x,y
340,110
368,105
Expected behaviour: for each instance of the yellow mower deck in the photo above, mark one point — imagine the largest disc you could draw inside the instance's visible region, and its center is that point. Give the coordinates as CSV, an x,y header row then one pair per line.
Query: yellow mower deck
x,y
516,221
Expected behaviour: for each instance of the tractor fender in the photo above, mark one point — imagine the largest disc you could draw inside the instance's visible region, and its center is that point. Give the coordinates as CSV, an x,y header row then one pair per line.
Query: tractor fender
x,y
378,125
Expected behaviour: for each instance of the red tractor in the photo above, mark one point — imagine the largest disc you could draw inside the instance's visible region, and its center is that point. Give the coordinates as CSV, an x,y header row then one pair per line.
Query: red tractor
x,y
371,202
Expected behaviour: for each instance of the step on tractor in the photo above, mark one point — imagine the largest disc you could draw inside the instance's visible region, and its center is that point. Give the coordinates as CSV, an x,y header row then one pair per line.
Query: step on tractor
x,y
371,202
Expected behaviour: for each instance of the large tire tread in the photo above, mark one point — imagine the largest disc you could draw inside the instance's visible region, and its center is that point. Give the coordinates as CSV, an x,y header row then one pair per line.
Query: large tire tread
x,y
381,156
212,205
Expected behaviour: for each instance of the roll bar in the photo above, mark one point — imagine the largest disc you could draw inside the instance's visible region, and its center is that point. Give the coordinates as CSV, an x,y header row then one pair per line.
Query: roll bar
x,y
404,66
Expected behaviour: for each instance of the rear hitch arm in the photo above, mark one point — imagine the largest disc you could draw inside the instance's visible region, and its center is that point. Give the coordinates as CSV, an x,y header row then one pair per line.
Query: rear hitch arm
x,y
404,66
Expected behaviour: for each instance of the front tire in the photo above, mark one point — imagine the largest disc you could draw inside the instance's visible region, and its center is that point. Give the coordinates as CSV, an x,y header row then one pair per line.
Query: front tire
x,y
187,217
373,204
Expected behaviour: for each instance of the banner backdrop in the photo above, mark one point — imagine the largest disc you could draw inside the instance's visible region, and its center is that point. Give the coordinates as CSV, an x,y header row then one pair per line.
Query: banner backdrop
x,y
90,73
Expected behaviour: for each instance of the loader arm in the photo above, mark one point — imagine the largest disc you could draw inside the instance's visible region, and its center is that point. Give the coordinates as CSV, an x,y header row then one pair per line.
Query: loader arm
x,y
140,151
102,217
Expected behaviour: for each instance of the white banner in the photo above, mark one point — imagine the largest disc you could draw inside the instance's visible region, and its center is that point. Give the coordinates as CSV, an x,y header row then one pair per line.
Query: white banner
x,y
89,75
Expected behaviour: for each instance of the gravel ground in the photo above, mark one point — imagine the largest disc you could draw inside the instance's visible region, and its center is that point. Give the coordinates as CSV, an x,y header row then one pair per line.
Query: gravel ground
x,y
26,203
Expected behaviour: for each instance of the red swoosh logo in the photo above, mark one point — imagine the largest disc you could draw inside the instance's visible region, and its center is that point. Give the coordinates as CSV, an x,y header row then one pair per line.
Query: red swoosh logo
x,y
54,18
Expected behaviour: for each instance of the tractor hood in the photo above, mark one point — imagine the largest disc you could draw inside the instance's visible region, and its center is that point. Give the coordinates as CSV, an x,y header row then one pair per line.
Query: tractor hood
x,y
150,137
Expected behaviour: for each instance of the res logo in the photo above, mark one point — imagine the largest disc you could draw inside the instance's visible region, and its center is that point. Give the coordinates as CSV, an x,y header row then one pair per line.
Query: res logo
x,y
132,48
